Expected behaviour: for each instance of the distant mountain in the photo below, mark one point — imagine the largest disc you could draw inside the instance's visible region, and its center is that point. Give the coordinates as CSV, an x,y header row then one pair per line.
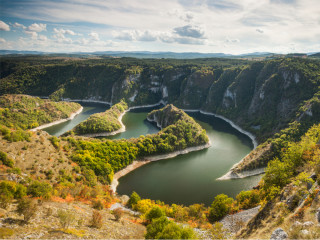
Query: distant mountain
x,y
147,54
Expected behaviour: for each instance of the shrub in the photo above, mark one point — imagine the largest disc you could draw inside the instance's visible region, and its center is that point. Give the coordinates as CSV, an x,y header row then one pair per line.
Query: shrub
x,y
6,160
10,190
90,177
66,218
144,206
97,204
248,199
218,232
27,207
134,199
117,213
96,220
220,207
155,212
40,189
162,228
55,141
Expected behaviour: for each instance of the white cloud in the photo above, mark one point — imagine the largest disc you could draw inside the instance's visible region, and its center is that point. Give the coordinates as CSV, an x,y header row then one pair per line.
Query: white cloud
x,y
259,30
35,27
94,36
4,26
18,25
2,40
64,31
136,35
33,35
42,38
190,31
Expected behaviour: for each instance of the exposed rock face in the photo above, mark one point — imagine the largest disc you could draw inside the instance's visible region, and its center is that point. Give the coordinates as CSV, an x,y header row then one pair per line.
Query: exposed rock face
x,y
279,234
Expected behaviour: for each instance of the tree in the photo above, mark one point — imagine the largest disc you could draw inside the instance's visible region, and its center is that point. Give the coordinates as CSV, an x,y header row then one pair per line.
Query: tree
x,y
134,199
155,212
220,207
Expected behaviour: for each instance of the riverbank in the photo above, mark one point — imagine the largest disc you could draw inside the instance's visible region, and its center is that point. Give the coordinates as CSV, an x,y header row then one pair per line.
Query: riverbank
x,y
145,160
72,115
233,175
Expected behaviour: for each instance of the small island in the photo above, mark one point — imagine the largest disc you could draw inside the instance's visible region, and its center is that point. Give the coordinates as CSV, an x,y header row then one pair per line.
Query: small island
x,y
102,124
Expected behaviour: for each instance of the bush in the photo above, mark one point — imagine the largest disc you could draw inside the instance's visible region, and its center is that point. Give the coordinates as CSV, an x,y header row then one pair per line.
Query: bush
x,y
55,141
96,220
27,207
134,199
10,190
66,218
6,160
90,177
154,213
220,207
218,232
40,189
248,199
97,204
117,213
162,228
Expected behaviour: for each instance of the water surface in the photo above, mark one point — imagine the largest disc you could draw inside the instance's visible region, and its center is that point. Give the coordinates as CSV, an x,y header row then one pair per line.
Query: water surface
x,y
185,179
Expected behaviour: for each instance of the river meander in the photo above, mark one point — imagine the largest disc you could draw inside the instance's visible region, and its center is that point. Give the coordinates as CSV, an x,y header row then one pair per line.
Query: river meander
x,y
185,179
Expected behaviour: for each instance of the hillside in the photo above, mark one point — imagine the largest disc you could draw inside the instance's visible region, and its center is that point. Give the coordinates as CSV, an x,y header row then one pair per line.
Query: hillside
x,y
26,112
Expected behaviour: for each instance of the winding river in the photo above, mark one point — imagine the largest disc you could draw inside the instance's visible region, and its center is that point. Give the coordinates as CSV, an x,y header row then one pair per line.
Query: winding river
x,y
185,179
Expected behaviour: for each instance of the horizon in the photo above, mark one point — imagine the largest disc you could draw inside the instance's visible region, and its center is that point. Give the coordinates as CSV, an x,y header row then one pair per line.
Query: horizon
x,y
179,26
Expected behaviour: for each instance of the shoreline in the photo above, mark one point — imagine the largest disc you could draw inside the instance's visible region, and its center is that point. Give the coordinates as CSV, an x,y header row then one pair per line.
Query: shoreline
x,y
250,135
138,163
233,175
72,115
123,127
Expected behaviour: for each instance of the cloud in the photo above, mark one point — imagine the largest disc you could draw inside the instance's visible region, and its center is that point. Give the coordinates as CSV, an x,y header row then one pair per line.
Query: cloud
x,y
64,31
35,27
42,38
136,35
189,31
4,26
259,30
2,40
18,25
228,40
174,38
223,5
284,1
94,36
33,35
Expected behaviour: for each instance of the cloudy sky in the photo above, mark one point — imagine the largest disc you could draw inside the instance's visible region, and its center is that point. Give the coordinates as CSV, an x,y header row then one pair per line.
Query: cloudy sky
x,y
228,26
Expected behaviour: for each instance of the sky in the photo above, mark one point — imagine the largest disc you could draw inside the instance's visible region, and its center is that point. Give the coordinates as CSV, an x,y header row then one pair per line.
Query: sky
x,y
207,26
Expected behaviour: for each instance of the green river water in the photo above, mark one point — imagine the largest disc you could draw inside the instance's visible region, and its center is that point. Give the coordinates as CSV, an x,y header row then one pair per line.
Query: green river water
x,y
185,179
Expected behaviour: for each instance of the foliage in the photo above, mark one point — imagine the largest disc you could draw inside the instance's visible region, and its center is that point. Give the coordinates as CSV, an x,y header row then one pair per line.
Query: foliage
x,y
218,232
97,204
6,160
26,112
133,200
10,190
40,189
220,207
66,218
14,135
96,219
162,228
55,141
248,199
6,232
118,213
102,122
155,212
27,207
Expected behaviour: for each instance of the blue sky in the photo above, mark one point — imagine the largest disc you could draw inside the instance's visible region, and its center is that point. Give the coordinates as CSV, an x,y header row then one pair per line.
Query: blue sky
x,y
228,26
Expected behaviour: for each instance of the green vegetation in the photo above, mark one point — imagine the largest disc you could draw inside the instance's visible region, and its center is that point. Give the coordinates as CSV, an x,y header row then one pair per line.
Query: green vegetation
x,y
105,157
26,112
162,228
5,160
27,207
102,122
220,207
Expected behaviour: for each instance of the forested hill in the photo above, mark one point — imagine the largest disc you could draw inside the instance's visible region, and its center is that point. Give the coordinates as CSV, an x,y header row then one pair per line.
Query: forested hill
x,y
262,97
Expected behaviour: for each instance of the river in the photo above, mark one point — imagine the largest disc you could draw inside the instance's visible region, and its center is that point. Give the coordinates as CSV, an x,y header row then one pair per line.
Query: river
x,y
185,179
